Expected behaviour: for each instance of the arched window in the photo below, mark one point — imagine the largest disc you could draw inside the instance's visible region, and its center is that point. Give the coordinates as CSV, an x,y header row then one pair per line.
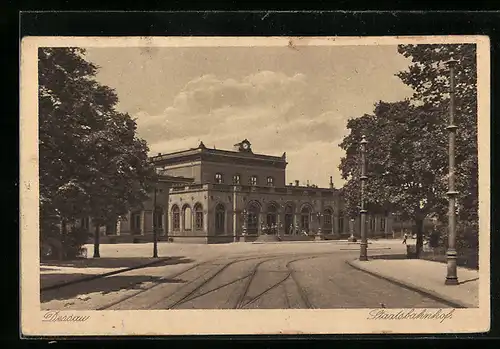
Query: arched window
x,y
341,223
220,215
187,218
305,218
271,219
327,218
270,181
236,179
198,211
136,222
219,178
289,228
176,218
253,180
382,223
253,218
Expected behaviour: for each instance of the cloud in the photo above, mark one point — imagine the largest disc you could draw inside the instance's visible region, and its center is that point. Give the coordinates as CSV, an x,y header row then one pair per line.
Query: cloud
x,y
275,111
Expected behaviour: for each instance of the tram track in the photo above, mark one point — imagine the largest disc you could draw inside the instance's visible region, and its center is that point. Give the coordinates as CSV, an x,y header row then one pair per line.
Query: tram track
x,y
171,276
191,294
290,275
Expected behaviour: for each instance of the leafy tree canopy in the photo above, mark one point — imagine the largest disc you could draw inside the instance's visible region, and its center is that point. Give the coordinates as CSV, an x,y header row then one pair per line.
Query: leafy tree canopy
x,y
91,161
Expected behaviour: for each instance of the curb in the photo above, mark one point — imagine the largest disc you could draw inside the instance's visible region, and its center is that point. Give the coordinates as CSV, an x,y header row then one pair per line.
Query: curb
x,y
425,292
371,249
98,276
343,242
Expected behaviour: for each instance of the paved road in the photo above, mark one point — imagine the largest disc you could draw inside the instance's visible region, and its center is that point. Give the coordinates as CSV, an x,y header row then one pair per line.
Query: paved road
x,y
316,278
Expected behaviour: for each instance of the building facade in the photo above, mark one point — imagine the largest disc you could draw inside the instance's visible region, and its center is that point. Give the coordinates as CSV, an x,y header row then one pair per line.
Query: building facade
x,y
218,196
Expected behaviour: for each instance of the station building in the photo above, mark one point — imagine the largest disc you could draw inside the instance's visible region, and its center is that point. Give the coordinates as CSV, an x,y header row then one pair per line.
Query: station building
x,y
218,196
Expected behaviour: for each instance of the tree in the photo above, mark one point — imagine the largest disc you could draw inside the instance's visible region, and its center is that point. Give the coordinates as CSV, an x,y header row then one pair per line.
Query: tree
x,y
405,162
429,78
91,161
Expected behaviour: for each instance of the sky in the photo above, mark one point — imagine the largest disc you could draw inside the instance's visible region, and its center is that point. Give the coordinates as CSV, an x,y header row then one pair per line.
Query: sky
x,y
294,100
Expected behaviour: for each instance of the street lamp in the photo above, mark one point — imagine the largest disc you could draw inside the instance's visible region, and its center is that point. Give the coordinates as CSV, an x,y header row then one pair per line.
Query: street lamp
x,y
319,215
451,253
155,237
244,225
352,238
364,244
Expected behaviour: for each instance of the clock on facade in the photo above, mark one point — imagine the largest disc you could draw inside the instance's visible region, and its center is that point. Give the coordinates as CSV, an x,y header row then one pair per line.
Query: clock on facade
x,y
245,145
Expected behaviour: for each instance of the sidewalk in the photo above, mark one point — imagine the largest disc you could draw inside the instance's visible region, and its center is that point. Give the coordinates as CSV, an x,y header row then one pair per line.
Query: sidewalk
x,y
55,274
426,277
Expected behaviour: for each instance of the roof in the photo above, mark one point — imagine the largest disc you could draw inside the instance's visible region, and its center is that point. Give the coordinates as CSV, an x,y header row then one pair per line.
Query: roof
x,y
202,151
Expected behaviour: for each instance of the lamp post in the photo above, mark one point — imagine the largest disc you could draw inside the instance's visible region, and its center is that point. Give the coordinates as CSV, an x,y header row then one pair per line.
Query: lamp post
x,y
451,253
352,238
364,244
155,237
244,227
319,215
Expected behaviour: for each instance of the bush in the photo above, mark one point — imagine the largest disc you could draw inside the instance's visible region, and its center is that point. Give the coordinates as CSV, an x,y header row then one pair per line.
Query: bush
x,y
72,243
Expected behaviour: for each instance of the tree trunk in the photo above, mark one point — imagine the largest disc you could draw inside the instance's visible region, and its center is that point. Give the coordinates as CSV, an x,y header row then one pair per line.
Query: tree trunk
x,y
61,250
97,237
419,223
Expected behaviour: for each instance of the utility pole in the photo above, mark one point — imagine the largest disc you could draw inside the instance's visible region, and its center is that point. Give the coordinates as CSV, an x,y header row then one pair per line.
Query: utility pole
x,y
155,237
451,253
364,243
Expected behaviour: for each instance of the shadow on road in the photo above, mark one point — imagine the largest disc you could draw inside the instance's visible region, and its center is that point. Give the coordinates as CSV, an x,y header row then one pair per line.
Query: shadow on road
x,y
106,285
112,262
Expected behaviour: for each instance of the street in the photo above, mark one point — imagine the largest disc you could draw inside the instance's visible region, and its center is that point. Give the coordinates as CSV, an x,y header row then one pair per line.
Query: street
x,y
245,276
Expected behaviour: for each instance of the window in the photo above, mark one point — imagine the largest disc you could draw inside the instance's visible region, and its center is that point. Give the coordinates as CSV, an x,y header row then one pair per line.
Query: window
x,y
236,179
175,218
187,218
198,217
382,223
220,214
136,221
305,217
372,224
253,180
270,181
327,218
218,178
341,224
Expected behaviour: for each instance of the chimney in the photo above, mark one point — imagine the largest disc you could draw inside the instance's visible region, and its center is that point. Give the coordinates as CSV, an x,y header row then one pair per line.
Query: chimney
x,y
307,182
159,154
296,182
331,182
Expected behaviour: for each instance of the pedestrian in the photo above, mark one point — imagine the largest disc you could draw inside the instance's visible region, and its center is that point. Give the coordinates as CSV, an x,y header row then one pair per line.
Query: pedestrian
x,y
404,238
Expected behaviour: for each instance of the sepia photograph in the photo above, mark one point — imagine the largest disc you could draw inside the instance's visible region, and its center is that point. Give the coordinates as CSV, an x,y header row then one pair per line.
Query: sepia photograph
x,y
254,185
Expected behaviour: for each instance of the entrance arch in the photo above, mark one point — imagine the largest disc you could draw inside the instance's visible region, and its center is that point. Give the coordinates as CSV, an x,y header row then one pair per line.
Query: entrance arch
x,y
253,217
289,224
305,218
272,218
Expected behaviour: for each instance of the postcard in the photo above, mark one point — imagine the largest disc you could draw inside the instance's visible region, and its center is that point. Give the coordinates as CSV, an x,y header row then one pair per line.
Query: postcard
x,y
254,185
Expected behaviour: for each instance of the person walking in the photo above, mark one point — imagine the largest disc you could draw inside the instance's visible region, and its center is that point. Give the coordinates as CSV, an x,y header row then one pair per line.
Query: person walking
x,y
404,238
